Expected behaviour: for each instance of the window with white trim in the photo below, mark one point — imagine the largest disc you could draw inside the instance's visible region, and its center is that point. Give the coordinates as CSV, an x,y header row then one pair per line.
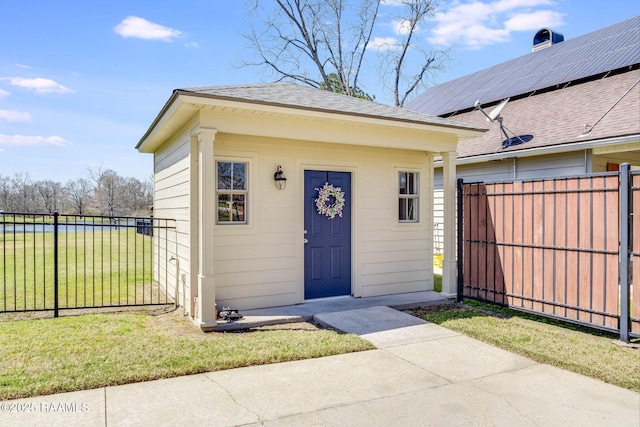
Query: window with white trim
x,y
231,192
408,196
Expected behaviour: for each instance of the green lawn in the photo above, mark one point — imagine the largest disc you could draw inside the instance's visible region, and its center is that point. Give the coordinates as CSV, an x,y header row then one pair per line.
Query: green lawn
x,y
89,351
583,350
437,282
95,268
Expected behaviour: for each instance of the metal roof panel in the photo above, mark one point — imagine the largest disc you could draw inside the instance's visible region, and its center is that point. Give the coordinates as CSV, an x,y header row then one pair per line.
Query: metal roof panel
x,y
606,49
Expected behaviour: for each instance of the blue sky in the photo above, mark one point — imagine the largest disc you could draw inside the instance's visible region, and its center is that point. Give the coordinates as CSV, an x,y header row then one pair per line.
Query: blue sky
x,y
81,81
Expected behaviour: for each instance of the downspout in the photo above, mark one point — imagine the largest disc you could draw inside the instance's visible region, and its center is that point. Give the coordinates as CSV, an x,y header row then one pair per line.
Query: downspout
x,y
586,161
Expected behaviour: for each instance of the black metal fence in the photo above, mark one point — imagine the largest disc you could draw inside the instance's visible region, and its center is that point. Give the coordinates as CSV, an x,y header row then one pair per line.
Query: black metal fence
x,y
55,262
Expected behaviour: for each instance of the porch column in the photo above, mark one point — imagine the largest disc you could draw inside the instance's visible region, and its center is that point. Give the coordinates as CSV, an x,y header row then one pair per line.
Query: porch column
x,y
449,265
206,220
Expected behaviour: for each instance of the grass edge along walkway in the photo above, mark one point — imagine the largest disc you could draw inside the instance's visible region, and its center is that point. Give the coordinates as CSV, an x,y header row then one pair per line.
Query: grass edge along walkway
x,y
586,351
47,356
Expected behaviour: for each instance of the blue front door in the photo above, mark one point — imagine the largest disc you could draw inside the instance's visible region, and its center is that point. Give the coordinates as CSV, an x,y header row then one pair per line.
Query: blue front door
x,y
327,249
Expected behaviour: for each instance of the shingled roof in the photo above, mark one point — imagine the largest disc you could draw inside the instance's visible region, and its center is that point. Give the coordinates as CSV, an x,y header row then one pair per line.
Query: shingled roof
x,y
558,118
610,48
294,102
291,95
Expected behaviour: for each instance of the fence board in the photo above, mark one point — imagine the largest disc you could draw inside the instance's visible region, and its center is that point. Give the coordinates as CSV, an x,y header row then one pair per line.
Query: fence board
x,y
560,238
518,239
612,244
537,273
483,224
585,280
573,260
548,240
598,260
466,219
508,252
491,247
635,264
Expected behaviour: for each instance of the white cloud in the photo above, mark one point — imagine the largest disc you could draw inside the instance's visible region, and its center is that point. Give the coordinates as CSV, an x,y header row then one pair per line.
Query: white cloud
x,y
22,66
507,5
4,94
192,44
476,23
133,26
534,21
22,140
14,116
383,43
401,27
39,85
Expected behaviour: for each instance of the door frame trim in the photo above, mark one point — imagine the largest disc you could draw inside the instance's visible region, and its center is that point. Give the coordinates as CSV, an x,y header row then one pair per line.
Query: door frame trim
x,y
352,168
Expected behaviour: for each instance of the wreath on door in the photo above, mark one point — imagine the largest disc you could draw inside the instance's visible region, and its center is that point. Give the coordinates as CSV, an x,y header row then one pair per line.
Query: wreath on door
x,y
330,201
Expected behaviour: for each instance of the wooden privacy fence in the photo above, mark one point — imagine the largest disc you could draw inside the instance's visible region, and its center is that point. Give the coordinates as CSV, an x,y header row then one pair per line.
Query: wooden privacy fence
x,y
566,248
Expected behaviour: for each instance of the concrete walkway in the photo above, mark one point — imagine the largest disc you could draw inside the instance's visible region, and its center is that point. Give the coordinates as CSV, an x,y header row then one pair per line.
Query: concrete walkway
x,y
420,375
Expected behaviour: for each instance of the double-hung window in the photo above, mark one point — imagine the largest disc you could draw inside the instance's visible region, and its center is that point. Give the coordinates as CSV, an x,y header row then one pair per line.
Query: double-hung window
x,y
231,192
408,196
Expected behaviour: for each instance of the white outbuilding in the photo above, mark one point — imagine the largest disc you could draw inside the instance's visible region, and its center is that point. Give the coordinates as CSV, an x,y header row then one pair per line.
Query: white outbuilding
x,y
284,193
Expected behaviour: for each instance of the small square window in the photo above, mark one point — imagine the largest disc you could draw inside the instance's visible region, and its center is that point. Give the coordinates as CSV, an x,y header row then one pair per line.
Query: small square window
x,y
408,196
232,192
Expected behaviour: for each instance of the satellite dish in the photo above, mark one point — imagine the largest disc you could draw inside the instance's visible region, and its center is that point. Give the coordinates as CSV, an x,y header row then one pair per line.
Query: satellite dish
x,y
496,111
494,115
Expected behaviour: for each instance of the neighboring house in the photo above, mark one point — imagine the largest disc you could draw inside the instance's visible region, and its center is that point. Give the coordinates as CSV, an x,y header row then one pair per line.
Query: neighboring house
x,y
575,102
244,243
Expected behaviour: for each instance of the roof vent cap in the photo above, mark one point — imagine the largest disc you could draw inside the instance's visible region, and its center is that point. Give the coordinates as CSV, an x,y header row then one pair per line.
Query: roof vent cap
x,y
545,38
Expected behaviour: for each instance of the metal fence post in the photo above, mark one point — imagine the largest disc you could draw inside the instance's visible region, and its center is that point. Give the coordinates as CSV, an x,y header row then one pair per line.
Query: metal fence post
x,y
460,241
55,264
623,275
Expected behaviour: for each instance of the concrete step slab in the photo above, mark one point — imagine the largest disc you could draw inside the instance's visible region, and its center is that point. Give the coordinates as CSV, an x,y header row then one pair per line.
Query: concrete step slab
x,y
306,311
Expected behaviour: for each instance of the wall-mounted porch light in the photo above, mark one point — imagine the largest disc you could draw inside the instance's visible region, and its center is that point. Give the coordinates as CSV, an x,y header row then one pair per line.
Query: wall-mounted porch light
x,y
279,178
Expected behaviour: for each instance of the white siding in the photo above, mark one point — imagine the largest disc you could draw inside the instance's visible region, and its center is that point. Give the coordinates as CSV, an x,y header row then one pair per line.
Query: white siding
x,y
563,164
599,162
261,264
171,200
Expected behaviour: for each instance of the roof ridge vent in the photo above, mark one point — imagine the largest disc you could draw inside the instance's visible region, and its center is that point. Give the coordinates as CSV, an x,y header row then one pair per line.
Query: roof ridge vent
x,y
545,38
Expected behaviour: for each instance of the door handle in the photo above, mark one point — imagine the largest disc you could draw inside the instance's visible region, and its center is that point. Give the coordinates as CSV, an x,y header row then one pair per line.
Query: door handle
x,y
306,240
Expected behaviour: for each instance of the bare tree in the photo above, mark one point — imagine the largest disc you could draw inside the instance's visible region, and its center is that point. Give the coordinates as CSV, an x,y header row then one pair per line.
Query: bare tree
x,y
309,40
396,57
50,195
137,196
6,193
23,190
96,175
108,191
79,193
105,192
323,43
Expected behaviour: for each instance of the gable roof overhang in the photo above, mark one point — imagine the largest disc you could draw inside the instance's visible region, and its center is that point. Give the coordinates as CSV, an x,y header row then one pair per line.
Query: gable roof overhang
x,y
360,123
